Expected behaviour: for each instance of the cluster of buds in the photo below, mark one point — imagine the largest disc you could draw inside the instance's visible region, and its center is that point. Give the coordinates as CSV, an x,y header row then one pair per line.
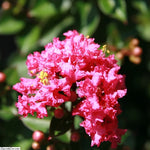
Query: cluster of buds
x,y
41,140
133,51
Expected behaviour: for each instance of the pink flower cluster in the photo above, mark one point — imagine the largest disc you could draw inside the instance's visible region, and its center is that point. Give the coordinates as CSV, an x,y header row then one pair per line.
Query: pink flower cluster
x,y
70,69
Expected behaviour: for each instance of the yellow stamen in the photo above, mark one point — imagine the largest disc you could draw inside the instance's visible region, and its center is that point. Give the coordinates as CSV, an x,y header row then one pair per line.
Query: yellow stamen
x,y
105,50
87,36
44,77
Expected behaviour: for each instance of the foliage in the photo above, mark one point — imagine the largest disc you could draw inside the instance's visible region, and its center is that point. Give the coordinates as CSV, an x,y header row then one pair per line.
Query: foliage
x,y
26,26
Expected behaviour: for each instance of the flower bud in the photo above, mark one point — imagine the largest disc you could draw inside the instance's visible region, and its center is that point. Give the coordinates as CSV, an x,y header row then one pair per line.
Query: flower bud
x,y
58,113
73,96
36,145
135,59
119,55
2,77
134,42
75,136
137,51
6,5
38,136
50,147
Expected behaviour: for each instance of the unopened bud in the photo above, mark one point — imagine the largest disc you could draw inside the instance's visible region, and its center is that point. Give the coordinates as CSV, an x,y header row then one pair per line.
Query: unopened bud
x,y
38,136
6,5
137,51
58,113
50,147
75,136
2,77
135,59
36,145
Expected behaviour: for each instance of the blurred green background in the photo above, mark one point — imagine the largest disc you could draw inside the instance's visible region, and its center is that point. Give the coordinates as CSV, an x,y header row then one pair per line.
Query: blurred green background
x,y
28,25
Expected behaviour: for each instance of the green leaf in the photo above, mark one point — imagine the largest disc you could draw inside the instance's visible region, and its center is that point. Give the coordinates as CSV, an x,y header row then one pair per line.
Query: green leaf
x,y
68,106
37,124
19,6
56,30
114,37
128,139
60,126
140,5
29,40
114,8
89,18
65,5
143,26
144,30
65,137
43,9
12,75
8,112
10,25
24,144
77,121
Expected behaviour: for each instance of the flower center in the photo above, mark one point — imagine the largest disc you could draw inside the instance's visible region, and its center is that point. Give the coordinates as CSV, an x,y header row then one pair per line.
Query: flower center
x,y
44,77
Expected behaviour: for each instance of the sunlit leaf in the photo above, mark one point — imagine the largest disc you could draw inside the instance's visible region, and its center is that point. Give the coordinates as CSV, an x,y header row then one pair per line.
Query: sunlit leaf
x,y
65,137
28,41
140,5
89,18
24,144
8,112
77,121
60,126
12,75
114,8
37,124
10,25
19,6
55,31
43,9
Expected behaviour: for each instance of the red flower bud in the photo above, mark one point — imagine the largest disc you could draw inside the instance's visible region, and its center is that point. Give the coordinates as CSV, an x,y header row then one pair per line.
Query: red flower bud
x,y
58,113
134,42
2,77
135,59
137,51
38,136
75,136
35,145
50,147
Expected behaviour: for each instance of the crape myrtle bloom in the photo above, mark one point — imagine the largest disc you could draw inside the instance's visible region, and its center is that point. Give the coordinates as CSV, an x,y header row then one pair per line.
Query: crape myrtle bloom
x,y
75,69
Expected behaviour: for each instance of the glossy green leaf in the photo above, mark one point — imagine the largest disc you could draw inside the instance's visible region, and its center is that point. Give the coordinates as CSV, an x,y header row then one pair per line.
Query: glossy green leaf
x,y
19,6
43,9
24,144
10,25
65,137
77,121
28,41
37,124
12,75
68,106
60,126
140,5
56,30
143,26
89,18
8,112
65,5
114,8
